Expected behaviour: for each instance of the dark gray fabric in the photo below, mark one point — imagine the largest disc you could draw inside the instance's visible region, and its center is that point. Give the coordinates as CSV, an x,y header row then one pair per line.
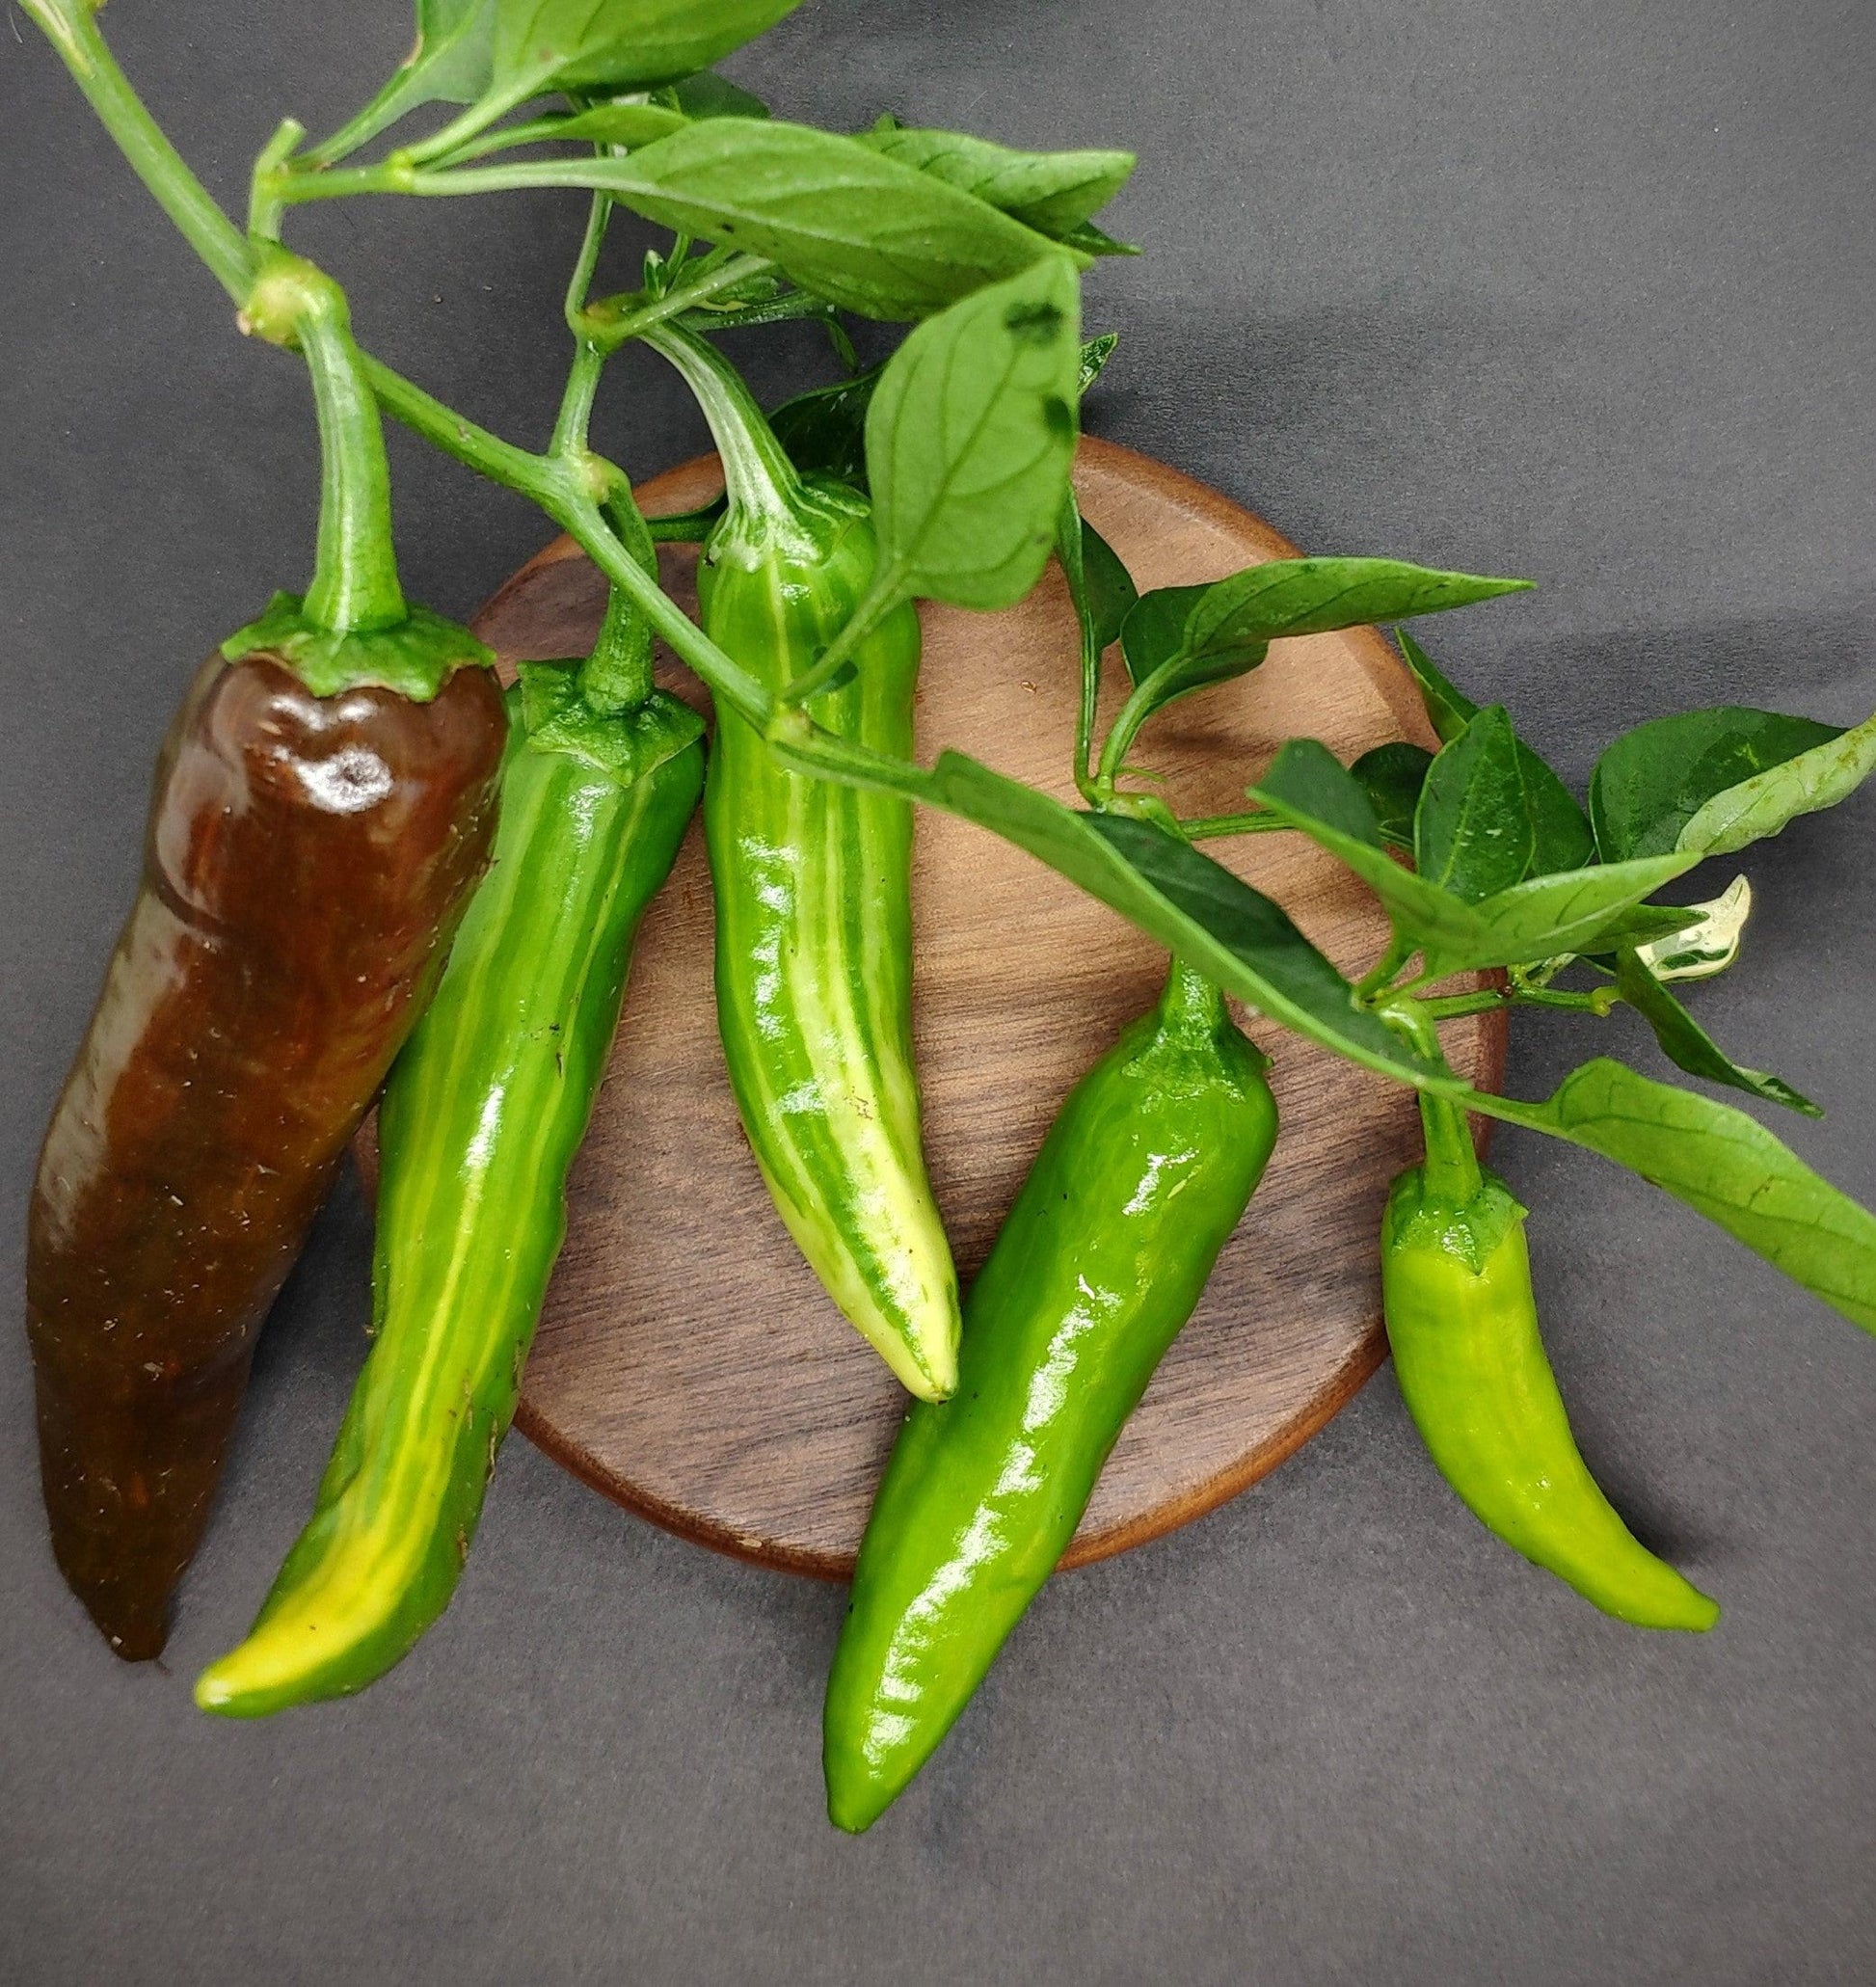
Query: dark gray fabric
x,y
1581,292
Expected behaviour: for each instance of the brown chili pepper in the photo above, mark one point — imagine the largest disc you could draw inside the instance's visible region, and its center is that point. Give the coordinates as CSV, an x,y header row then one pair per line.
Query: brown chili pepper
x,y
306,861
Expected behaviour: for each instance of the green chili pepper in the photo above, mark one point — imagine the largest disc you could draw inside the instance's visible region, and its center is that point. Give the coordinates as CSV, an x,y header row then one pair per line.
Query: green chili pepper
x,y
480,1121
1463,1322
812,880
1142,1177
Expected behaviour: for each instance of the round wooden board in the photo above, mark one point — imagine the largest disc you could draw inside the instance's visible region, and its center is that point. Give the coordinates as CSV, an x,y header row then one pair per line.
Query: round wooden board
x,y
689,1364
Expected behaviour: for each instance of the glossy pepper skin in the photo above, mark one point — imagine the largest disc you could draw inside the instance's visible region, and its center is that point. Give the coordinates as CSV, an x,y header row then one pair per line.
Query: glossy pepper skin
x,y
481,1120
306,860
1142,1177
1462,1322
812,883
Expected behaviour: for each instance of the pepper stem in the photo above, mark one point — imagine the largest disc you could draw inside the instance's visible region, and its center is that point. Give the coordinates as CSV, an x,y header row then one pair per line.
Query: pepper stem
x,y
759,477
1452,1164
355,585
1192,1005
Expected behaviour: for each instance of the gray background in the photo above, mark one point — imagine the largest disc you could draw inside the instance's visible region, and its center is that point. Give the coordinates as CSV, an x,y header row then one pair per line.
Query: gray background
x,y
1577,291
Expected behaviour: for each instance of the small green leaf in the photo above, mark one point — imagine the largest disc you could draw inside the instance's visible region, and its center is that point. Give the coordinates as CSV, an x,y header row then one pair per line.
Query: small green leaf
x,y
631,122
1687,1044
1155,630
1472,831
1095,354
707,94
1652,783
1090,240
859,229
450,61
618,45
1053,192
1723,1165
1109,589
1492,814
1448,710
1392,777
1308,789
1709,947
1306,776
825,430
970,438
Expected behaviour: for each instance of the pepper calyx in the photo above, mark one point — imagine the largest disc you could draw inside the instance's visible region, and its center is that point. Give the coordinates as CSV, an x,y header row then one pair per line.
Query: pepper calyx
x,y
1421,1219
414,658
625,745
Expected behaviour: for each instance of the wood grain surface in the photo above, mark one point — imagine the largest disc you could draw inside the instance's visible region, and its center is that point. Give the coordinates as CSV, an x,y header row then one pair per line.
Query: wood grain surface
x,y
689,1364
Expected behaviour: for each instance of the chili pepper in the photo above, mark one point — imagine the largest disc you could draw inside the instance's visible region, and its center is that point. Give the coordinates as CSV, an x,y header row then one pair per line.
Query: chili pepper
x,y
1462,1322
322,807
480,1122
813,881
1143,1176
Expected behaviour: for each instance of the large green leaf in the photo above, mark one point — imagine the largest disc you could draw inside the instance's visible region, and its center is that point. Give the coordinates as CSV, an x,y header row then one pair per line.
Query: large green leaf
x,y
1725,1166
970,437
1191,904
1182,638
1491,813
1687,1044
1654,782
1053,192
856,229
618,45
1760,805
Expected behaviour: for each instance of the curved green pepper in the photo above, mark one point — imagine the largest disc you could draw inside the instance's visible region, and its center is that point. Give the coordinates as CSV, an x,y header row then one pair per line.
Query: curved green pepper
x,y
813,882
1143,1176
480,1121
1463,1322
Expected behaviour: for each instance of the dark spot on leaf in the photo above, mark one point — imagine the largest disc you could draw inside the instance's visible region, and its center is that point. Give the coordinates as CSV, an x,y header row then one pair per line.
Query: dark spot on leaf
x,y
1033,324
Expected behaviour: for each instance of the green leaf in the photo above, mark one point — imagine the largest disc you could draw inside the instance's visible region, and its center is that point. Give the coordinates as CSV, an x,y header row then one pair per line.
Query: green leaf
x,y
858,230
1533,920
1155,629
449,62
825,430
1225,627
707,94
618,45
1448,710
1688,1045
1831,770
1491,813
970,438
1090,240
1308,777
1109,587
1392,777
1723,1165
1472,833
1574,911
633,121
1652,783
1095,354
1053,192
1307,788
1187,902
1709,947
